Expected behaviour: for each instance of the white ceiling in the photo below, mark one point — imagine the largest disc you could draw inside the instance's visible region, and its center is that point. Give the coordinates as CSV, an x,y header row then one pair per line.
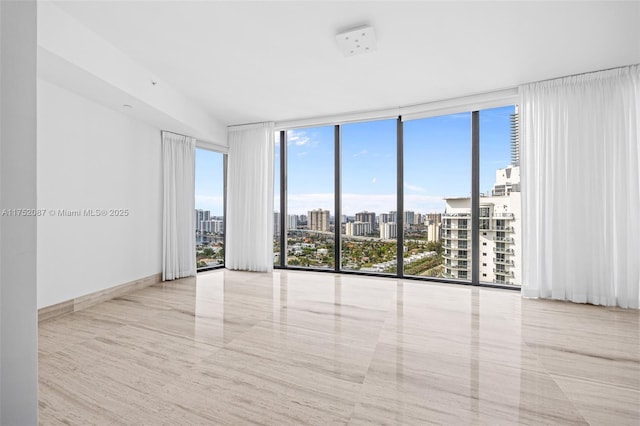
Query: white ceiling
x,y
261,61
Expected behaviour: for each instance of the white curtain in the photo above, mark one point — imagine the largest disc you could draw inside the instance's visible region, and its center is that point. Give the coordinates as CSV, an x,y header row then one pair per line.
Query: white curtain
x,y
178,210
580,164
249,233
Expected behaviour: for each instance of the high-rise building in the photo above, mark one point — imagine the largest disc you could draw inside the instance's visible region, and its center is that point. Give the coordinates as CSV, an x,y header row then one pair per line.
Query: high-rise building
x,y
358,228
292,221
200,217
507,181
318,220
434,217
276,223
383,218
365,216
217,226
433,232
214,225
500,232
515,137
409,218
388,231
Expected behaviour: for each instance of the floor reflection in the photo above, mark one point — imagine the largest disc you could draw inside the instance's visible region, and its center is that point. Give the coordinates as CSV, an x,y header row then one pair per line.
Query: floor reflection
x,y
294,347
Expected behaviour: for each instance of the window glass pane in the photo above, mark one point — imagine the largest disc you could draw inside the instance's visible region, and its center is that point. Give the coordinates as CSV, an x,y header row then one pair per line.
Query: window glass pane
x,y
310,197
369,175
500,218
437,189
209,202
276,200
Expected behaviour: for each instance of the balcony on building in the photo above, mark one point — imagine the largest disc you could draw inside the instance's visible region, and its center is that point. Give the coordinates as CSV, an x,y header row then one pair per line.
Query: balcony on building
x,y
506,240
503,272
503,250
497,215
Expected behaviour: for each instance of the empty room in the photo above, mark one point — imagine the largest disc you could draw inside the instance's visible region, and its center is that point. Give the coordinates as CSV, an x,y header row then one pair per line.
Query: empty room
x,y
319,212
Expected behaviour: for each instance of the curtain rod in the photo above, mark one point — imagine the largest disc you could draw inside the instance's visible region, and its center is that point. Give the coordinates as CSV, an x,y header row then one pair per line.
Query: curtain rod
x,y
179,134
585,73
407,110
221,148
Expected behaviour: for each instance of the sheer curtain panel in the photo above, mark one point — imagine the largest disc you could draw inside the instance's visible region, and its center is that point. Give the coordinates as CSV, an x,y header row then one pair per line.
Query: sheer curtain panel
x,y
581,188
249,238
178,229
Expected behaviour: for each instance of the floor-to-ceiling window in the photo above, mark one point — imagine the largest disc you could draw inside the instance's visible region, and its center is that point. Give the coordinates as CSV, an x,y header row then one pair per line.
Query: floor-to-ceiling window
x,y
277,221
458,215
209,212
310,221
369,177
500,216
437,203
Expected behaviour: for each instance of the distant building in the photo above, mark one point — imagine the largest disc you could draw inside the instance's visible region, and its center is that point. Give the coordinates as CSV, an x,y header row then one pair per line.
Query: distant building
x,y
215,226
500,232
388,231
409,218
515,138
201,216
368,217
434,217
433,232
276,223
292,221
319,220
358,228
384,218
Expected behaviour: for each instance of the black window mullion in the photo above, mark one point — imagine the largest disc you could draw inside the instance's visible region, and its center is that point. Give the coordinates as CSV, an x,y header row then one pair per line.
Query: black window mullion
x,y
283,199
400,199
337,221
475,198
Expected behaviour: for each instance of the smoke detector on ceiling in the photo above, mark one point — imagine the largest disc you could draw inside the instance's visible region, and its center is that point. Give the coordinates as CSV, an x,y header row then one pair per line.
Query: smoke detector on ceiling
x,y
357,41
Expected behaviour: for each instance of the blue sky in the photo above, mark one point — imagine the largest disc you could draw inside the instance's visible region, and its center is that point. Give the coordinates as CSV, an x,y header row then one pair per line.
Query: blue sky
x,y
437,164
209,181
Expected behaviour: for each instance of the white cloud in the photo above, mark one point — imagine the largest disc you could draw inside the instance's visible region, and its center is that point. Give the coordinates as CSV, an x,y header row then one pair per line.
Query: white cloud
x,y
302,154
298,137
413,187
374,180
363,152
212,203
353,203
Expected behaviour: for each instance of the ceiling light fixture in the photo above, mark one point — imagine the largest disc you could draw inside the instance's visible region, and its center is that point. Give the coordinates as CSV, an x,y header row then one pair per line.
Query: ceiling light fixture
x,y
357,41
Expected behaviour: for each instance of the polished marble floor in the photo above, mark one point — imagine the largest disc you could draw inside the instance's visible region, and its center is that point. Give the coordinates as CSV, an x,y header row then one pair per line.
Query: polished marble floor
x,y
315,348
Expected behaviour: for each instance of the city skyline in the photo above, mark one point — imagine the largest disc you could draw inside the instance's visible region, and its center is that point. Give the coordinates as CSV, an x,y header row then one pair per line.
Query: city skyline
x,y
369,164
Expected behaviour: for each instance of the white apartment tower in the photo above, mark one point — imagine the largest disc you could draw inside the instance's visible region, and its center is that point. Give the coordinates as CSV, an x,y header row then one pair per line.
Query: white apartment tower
x,y
500,233
319,220
388,231
358,228
292,221
202,216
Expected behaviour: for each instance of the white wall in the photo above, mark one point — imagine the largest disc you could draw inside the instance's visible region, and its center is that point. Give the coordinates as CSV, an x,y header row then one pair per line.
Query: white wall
x,y
72,56
93,157
18,323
